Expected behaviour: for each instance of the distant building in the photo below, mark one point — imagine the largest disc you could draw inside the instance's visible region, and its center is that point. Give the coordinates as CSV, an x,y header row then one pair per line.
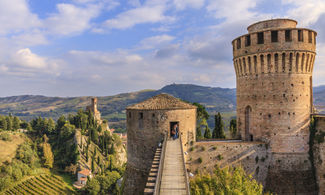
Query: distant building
x,y
83,175
97,116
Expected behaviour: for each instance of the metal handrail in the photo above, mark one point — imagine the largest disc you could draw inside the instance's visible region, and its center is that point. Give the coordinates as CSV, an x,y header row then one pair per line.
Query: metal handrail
x,y
160,167
184,166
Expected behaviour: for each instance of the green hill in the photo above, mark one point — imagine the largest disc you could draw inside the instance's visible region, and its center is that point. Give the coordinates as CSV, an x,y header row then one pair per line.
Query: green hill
x,y
112,107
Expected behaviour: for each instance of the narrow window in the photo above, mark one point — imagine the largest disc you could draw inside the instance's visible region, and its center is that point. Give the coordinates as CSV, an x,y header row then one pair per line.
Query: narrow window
x,y
141,115
241,69
129,114
274,36
310,37
244,64
255,64
307,62
300,36
276,62
247,40
249,65
297,62
302,62
238,43
260,38
269,62
288,36
262,63
283,62
290,62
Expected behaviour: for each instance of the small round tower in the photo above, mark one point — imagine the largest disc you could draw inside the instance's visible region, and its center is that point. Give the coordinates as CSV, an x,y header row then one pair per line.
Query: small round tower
x,y
274,64
147,122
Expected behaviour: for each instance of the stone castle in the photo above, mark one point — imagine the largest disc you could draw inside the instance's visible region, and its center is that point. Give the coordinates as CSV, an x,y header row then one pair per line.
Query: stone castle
x,y
273,65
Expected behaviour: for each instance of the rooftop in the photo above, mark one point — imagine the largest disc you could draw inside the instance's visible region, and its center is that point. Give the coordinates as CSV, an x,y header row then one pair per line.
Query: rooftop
x,y
161,102
85,172
272,24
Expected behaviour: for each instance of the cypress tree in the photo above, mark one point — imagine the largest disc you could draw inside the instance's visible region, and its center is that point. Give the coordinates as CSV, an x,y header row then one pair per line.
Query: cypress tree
x,y
233,128
218,131
207,133
198,133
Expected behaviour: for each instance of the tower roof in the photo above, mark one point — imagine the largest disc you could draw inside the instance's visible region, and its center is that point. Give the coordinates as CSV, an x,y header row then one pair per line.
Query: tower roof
x,y
161,102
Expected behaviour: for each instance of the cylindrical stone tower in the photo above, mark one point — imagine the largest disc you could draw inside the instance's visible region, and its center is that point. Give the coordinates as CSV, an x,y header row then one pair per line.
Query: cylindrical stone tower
x,y
146,123
274,64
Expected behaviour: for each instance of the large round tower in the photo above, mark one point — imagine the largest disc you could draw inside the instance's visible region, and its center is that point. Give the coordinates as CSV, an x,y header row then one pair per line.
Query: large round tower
x,y
274,64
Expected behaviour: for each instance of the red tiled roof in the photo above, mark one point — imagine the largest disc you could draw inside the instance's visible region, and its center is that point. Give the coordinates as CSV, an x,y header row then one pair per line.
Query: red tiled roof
x,y
85,172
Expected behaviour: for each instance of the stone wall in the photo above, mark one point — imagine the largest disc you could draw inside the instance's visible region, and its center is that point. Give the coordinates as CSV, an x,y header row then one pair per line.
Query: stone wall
x,y
319,153
252,156
145,129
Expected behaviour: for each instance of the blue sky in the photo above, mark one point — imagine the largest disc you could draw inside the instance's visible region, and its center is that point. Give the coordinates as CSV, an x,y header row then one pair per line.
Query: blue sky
x,y
105,47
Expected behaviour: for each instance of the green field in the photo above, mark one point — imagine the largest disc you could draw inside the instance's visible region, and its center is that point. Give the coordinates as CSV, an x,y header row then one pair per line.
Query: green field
x,y
41,184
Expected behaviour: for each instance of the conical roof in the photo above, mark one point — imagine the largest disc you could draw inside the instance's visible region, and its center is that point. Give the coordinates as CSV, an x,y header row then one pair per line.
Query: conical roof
x,y
161,102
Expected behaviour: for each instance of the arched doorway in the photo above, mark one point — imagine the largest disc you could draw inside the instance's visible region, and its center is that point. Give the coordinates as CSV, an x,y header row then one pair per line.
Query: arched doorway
x,y
248,111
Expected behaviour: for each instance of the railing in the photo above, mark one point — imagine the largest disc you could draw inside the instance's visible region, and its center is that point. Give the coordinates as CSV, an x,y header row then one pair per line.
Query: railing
x,y
155,174
161,166
184,166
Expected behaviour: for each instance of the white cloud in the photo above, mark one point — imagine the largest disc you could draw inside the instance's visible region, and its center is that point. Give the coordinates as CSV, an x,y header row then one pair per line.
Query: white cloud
x,y
155,41
71,19
182,4
140,15
25,58
15,17
306,12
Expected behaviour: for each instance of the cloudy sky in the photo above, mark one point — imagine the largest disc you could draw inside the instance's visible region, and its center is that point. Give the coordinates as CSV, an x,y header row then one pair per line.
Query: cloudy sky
x,y
105,47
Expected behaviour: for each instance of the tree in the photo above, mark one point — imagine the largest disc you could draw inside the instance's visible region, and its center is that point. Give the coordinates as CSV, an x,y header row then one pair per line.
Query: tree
x,y
51,126
202,116
3,123
16,123
93,164
60,123
9,123
207,133
225,181
48,157
233,128
93,186
218,131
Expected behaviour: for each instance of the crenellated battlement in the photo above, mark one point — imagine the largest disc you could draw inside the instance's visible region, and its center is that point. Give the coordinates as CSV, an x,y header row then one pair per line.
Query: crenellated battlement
x,y
297,39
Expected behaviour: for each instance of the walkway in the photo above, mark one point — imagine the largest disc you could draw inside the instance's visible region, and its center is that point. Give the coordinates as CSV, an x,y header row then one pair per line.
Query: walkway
x,y
173,180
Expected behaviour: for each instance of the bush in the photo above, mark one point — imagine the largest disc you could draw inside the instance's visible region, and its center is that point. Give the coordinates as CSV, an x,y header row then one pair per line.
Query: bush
x,y
219,157
225,181
256,159
214,148
203,148
191,149
5,136
200,160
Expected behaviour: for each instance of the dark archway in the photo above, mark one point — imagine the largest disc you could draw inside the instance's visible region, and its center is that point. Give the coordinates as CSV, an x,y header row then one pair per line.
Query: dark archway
x,y
248,111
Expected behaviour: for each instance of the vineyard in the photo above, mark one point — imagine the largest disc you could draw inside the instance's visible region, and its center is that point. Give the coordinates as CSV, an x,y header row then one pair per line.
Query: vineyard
x,y
41,184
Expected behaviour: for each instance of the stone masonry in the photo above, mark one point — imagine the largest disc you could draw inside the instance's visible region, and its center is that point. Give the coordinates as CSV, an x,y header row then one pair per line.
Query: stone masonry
x,y
147,122
274,64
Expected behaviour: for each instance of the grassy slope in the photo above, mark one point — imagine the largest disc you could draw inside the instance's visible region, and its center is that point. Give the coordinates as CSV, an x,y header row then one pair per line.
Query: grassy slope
x,y
8,148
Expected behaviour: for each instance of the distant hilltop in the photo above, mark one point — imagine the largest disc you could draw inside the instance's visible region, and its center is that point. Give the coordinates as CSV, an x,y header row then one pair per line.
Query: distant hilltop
x,y
112,107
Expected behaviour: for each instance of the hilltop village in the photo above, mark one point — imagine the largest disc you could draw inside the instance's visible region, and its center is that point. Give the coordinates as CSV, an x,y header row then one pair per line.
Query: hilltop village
x,y
276,122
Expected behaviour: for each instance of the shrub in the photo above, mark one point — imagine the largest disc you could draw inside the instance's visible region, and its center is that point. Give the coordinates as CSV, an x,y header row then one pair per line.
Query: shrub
x,y
191,149
200,160
225,181
5,136
203,148
219,157
214,147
